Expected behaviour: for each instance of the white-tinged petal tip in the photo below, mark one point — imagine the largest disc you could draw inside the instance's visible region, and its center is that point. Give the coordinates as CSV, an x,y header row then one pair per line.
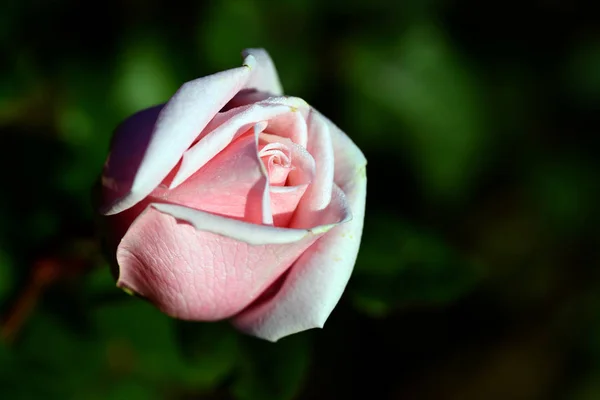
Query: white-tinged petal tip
x,y
249,61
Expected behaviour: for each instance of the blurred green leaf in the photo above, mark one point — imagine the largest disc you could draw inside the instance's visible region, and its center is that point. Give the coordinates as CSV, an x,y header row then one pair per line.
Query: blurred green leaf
x,y
272,370
42,223
145,77
211,350
566,191
139,340
85,121
589,390
414,266
20,86
580,327
6,361
6,276
75,124
583,71
50,352
99,281
227,28
129,390
144,343
436,99
221,45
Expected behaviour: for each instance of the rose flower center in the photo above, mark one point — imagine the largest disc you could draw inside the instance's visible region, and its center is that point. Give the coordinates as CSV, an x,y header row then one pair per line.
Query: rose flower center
x,y
277,158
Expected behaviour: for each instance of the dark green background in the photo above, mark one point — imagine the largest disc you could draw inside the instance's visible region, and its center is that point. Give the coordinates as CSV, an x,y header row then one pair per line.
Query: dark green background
x,y
478,275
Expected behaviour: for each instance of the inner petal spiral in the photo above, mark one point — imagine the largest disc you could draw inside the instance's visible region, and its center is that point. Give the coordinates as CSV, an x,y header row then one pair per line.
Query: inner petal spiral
x,y
277,158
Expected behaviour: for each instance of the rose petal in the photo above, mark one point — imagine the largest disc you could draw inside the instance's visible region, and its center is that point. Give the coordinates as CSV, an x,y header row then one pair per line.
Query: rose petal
x,y
304,164
177,126
225,115
245,98
292,126
232,184
317,279
225,127
318,195
196,274
215,141
246,232
264,78
350,162
128,147
201,266
284,201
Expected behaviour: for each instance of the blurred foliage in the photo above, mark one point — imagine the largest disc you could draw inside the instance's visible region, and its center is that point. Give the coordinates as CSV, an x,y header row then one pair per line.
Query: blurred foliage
x,y
419,81
416,268
478,276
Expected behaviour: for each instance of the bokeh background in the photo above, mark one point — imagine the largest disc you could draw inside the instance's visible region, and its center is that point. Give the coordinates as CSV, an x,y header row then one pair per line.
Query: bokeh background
x,y
478,277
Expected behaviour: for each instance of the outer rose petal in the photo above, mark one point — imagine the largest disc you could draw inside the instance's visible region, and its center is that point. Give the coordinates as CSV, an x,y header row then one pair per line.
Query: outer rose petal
x,y
317,279
177,126
265,77
318,195
128,147
208,267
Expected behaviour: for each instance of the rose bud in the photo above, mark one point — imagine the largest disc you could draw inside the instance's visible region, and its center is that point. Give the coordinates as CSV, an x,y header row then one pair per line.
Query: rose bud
x,y
232,201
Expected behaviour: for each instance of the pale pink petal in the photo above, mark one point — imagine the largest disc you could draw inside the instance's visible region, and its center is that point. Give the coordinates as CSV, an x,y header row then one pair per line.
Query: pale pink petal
x,y
318,278
284,201
277,159
277,173
349,160
267,214
228,113
318,195
264,77
215,141
226,126
291,125
179,123
190,273
304,164
232,184
201,266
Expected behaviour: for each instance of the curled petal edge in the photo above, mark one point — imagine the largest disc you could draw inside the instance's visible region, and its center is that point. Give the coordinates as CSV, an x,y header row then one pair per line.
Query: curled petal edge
x,y
252,234
188,112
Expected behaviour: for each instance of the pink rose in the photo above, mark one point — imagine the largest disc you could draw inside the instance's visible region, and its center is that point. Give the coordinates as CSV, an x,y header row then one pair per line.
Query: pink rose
x,y
233,201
